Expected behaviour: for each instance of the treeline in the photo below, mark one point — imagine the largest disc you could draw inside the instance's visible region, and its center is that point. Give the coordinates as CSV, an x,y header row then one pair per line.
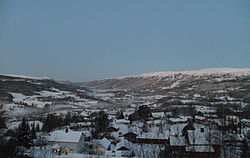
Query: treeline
x,y
53,121
143,113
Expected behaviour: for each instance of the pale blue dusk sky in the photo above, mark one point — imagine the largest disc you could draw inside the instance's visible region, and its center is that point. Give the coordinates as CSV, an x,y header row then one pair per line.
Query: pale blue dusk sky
x,y
84,40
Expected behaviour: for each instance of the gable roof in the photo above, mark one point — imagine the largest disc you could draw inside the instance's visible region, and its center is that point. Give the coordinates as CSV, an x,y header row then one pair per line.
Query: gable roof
x,y
105,143
122,145
62,136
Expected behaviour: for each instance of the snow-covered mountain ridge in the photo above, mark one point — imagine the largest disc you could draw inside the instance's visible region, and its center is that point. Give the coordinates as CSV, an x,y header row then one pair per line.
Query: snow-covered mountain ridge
x,y
170,77
199,72
236,80
202,72
27,77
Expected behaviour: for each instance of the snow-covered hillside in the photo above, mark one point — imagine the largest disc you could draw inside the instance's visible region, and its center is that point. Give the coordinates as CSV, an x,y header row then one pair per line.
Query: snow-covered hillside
x,y
26,77
170,79
221,85
202,72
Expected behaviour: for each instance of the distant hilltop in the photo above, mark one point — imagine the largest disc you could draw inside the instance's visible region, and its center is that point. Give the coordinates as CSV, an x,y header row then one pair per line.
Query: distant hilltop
x,y
201,72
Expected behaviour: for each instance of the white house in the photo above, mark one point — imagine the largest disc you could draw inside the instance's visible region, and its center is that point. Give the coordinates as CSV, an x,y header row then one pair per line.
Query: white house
x,y
66,141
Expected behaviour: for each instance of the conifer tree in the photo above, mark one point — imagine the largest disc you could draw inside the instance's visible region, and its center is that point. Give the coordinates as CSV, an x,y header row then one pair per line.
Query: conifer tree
x,y
2,120
33,131
120,115
101,124
37,127
24,134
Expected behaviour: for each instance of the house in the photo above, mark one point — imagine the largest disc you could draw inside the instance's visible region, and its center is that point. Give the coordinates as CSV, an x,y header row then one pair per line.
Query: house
x,y
203,142
66,141
123,147
122,129
102,146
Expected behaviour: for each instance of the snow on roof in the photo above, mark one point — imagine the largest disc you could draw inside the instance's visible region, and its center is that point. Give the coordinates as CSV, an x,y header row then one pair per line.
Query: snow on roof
x,y
177,140
138,123
152,135
134,129
156,122
200,148
62,136
200,117
122,121
55,146
158,114
180,119
122,128
245,120
123,143
208,136
128,113
105,143
177,129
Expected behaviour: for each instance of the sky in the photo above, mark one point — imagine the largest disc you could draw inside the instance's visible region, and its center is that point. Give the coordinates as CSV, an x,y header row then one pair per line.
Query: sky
x,y
85,40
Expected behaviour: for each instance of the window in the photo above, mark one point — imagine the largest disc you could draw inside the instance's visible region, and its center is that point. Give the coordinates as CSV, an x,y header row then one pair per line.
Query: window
x,y
202,130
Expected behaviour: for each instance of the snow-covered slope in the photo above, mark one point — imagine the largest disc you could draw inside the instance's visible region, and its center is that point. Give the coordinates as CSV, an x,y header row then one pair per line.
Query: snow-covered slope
x,y
170,79
181,81
202,72
26,77
217,85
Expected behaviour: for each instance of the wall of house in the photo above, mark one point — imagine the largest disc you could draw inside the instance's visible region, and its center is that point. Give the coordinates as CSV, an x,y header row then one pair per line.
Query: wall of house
x,y
74,146
99,149
125,152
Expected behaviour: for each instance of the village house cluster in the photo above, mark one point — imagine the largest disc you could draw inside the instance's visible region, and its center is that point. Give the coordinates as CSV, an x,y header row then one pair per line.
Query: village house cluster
x,y
208,132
